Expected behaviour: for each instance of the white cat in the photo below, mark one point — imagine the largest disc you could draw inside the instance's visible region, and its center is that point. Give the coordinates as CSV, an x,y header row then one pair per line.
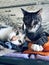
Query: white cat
x,y
16,39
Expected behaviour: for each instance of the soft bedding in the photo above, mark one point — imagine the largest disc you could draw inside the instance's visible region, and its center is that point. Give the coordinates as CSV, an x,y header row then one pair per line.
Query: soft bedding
x,y
45,51
30,54
17,55
26,56
42,57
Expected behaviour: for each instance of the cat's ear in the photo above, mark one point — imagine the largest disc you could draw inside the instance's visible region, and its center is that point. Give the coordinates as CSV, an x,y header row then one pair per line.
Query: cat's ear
x,y
39,11
24,12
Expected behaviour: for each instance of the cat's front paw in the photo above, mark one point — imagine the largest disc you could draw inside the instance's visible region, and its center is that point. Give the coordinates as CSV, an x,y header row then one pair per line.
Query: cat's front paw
x,y
36,47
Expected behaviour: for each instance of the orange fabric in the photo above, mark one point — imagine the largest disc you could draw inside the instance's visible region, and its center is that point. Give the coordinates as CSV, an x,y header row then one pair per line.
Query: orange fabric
x,y
45,52
46,46
34,52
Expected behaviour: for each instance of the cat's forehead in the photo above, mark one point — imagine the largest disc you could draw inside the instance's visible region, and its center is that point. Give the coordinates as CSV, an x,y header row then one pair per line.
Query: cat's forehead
x,y
32,15
27,13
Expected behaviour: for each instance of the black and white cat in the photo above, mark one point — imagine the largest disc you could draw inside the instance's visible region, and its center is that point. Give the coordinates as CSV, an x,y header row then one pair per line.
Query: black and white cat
x,y
33,29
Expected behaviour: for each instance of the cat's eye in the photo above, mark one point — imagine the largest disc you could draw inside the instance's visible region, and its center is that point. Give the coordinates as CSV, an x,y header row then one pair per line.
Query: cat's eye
x,y
17,33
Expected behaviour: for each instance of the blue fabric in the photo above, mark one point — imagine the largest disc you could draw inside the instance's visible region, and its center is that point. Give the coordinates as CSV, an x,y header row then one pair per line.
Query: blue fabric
x,y
8,44
20,48
25,46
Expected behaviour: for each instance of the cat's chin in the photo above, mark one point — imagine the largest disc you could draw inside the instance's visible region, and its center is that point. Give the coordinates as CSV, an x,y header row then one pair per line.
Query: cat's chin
x,y
16,42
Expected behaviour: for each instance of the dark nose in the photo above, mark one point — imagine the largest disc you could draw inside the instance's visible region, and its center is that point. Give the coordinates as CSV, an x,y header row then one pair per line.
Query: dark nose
x,y
20,41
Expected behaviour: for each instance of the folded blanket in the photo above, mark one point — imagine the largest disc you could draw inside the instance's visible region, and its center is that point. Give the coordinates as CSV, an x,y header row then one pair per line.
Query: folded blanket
x,y
19,55
26,56
35,52
46,58
40,57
